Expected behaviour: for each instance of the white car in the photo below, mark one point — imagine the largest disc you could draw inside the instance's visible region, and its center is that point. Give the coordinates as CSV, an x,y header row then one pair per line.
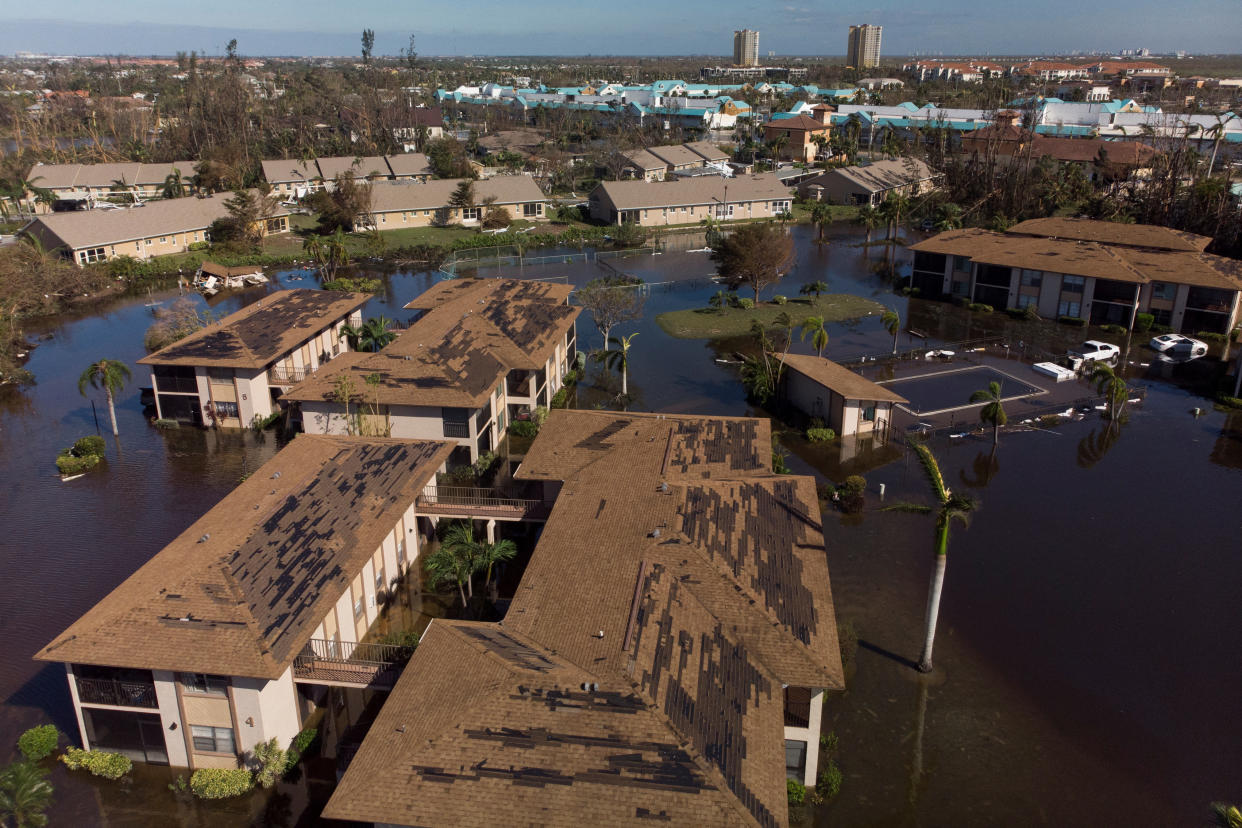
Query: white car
x,y
1178,345
1094,351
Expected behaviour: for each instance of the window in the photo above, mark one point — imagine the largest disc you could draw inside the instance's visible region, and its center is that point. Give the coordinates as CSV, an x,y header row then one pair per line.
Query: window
x,y
358,607
163,239
204,684
1163,290
150,242
961,264
532,209
227,409
379,580
401,551
470,213
1032,278
212,739
1069,309
1025,300
1072,284
868,414
93,254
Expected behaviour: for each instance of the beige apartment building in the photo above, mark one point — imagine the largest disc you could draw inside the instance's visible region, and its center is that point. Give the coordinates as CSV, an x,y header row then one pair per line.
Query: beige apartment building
x,y
1100,271
484,352
399,204
121,181
232,633
142,231
236,369
847,403
690,200
664,659
294,178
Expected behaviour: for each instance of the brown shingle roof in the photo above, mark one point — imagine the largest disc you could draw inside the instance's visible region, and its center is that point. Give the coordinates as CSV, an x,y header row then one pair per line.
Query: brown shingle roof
x,y
644,160
1112,232
241,591
707,189
878,176
690,604
474,332
676,155
797,122
840,379
66,176
396,196
708,150
261,332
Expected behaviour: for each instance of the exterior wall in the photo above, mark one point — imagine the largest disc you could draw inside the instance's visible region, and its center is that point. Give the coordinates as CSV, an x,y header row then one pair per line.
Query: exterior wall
x,y
660,216
430,216
810,736
170,715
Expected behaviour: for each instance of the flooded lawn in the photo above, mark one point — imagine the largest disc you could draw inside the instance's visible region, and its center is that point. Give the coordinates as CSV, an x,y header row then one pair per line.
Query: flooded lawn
x,y
1088,664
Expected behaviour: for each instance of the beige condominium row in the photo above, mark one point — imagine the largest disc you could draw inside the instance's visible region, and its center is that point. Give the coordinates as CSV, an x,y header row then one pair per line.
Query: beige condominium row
x,y
234,370
141,231
294,178
690,200
1100,271
483,353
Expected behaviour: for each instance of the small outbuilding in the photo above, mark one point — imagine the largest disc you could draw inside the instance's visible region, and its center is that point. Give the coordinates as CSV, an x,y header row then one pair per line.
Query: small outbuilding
x,y
847,403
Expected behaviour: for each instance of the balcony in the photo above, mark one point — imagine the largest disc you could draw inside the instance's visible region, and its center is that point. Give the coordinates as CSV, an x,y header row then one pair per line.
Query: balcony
x,y
465,501
286,376
350,664
456,429
797,707
116,693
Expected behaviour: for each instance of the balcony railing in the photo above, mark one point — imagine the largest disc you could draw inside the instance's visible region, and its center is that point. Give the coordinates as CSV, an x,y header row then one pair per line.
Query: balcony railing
x,y
286,376
483,502
347,662
117,693
456,429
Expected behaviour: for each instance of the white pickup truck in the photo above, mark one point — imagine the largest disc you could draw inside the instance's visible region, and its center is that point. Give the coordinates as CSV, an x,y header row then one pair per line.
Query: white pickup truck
x,y
1093,351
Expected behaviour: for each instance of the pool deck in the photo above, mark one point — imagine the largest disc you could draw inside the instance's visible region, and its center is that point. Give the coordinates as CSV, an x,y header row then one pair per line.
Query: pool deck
x,y
1050,397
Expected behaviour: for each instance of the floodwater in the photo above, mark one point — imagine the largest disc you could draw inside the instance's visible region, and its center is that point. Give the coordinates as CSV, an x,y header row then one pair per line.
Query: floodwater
x,y
1087,664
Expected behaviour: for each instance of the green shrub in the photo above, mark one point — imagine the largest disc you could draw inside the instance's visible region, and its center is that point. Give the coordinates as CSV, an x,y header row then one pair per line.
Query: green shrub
x,y
796,791
198,246
561,398
88,445
69,465
361,285
855,483
523,428
98,762
779,300
1114,329
1161,329
1016,313
220,783
1211,336
1077,321
1143,322
539,416
301,743
829,741
38,742
258,424
746,304
273,761
980,307
166,423
1050,420
820,435
829,783
961,301
1229,402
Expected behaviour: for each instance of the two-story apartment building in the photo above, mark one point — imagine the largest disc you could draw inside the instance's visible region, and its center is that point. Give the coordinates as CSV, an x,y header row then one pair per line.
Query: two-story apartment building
x,y
484,352
233,370
1101,271
228,636
664,658
120,181
141,231
294,178
690,200
396,204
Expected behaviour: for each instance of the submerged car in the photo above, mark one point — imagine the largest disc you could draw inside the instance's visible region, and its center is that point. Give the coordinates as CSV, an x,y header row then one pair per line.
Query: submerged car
x,y
1178,345
1094,351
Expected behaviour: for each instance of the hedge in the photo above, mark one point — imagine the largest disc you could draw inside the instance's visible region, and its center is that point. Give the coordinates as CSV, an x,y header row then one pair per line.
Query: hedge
x,y
221,783
1072,320
69,465
523,428
1143,322
88,445
38,742
980,307
820,435
98,762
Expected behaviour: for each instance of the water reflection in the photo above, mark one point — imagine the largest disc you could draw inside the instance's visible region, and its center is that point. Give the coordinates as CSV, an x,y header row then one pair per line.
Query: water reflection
x,y
1094,446
982,470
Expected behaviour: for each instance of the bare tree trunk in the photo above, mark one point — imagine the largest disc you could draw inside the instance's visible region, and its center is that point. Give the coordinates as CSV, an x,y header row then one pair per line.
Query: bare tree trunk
x,y
112,413
933,602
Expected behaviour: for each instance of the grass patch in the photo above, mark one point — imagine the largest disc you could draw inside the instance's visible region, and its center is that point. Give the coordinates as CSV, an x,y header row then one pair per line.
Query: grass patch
x,y
710,323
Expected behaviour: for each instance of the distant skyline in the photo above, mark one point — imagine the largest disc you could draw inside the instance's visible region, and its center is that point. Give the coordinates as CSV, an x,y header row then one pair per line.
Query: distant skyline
x,y
541,27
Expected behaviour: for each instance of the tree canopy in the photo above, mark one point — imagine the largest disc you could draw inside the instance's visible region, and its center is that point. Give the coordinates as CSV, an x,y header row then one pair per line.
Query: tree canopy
x,y
754,255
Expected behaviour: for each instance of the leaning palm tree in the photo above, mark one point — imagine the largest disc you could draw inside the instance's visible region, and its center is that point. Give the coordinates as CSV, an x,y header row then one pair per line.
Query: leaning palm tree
x,y
813,326
110,375
25,794
1114,388
892,323
949,507
994,411
618,358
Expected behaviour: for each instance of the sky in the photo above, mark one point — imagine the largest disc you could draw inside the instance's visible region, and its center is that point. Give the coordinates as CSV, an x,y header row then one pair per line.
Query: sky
x,y
634,27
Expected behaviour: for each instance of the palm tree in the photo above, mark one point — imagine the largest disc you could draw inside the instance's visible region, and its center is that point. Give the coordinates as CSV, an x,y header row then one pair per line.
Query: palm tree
x,y
455,560
892,323
174,185
491,554
950,217
870,218
718,300
25,794
1113,387
372,335
821,216
814,325
994,411
618,358
329,252
123,186
949,507
817,287
110,375
1225,815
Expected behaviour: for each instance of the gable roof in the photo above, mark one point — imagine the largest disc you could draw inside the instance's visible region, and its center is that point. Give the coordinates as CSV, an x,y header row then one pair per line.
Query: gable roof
x,y
241,591
676,155
644,160
262,331
1111,232
397,196
708,189
474,332
100,228
708,150
801,122
840,379
713,596
296,171
878,176
67,176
